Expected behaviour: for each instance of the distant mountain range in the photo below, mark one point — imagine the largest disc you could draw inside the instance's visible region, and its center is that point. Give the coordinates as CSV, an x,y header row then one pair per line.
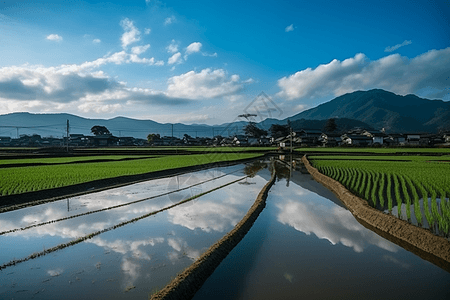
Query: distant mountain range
x,y
374,109
382,109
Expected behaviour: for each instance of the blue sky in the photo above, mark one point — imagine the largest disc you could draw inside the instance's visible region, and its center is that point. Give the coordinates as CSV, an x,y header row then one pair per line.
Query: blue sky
x,y
205,61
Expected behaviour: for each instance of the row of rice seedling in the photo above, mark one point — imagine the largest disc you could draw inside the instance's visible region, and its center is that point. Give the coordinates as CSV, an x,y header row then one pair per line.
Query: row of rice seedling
x,y
397,182
65,160
25,179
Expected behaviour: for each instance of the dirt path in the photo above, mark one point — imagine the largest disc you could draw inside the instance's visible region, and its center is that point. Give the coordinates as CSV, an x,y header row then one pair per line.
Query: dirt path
x,y
187,283
18,201
414,239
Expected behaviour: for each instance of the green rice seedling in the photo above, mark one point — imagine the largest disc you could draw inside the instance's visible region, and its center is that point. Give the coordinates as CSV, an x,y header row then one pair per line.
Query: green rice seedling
x,y
415,195
389,192
406,196
398,197
368,187
375,187
426,209
362,184
381,189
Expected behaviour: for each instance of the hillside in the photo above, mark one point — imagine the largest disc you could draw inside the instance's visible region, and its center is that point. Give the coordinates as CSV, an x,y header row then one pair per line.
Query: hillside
x,y
382,109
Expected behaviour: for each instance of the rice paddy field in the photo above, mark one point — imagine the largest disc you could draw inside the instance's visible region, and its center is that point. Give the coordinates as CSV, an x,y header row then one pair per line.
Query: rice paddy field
x,y
34,178
418,187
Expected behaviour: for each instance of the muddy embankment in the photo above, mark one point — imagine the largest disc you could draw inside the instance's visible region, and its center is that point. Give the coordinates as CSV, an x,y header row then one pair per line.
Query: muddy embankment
x,y
420,241
13,202
187,283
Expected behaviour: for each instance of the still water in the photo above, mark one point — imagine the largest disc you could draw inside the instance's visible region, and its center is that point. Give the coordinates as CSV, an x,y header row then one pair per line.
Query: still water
x,y
305,245
130,261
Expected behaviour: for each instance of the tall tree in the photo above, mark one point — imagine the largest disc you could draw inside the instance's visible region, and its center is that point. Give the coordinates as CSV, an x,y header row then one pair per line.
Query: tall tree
x,y
330,126
99,130
277,130
254,131
153,137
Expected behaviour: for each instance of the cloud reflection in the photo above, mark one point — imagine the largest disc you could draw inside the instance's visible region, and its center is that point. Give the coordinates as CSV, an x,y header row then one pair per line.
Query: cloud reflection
x,y
334,224
206,215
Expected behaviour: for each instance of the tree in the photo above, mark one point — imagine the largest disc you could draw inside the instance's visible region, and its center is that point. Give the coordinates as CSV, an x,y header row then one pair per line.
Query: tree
x,y
252,130
330,126
152,137
277,130
99,130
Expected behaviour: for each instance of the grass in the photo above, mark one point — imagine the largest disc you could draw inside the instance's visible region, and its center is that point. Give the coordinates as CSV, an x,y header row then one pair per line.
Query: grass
x,y
374,150
185,148
26,179
62,160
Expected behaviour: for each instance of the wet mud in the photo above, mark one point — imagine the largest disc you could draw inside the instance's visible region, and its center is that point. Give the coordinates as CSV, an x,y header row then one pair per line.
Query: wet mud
x,y
418,240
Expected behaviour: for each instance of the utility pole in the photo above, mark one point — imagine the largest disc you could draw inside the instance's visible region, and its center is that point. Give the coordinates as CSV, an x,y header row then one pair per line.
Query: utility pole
x,y
67,128
17,129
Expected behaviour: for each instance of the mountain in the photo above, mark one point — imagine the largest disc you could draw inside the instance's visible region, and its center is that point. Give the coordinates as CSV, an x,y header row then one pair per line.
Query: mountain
x,y
15,124
343,124
382,109
374,109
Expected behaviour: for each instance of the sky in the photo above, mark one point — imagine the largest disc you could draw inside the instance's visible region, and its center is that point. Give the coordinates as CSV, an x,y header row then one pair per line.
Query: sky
x,y
206,62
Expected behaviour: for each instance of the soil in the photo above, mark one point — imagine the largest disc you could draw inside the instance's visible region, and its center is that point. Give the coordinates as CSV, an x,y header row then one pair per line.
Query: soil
x,y
187,283
18,201
418,240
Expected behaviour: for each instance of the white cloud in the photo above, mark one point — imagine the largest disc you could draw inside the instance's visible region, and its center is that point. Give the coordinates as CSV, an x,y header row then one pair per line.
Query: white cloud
x,y
147,31
139,49
54,37
289,28
173,47
205,84
193,48
395,73
170,20
176,58
96,41
131,34
393,48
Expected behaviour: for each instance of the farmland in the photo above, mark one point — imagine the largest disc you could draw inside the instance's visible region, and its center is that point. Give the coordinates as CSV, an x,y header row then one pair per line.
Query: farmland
x,y
25,179
386,181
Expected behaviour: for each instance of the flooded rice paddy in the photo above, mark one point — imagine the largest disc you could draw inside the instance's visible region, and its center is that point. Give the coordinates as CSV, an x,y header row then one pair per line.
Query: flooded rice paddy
x,y
304,244
129,261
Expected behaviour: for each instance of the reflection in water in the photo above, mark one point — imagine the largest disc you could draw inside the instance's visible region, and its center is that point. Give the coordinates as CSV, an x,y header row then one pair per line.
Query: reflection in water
x,y
133,259
334,224
304,245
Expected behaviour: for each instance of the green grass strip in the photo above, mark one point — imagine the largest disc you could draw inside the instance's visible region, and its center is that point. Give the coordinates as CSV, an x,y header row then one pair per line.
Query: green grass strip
x,y
27,179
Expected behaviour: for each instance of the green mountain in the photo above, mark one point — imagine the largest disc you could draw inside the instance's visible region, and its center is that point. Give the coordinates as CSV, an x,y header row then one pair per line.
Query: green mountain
x,y
382,109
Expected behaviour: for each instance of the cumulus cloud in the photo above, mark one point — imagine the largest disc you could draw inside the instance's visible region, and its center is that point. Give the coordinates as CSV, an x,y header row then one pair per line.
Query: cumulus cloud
x,y
289,28
147,31
169,20
205,84
96,41
54,37
131,34
139,49
173,47
395,73
193,48
176,58
393,48
82,86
